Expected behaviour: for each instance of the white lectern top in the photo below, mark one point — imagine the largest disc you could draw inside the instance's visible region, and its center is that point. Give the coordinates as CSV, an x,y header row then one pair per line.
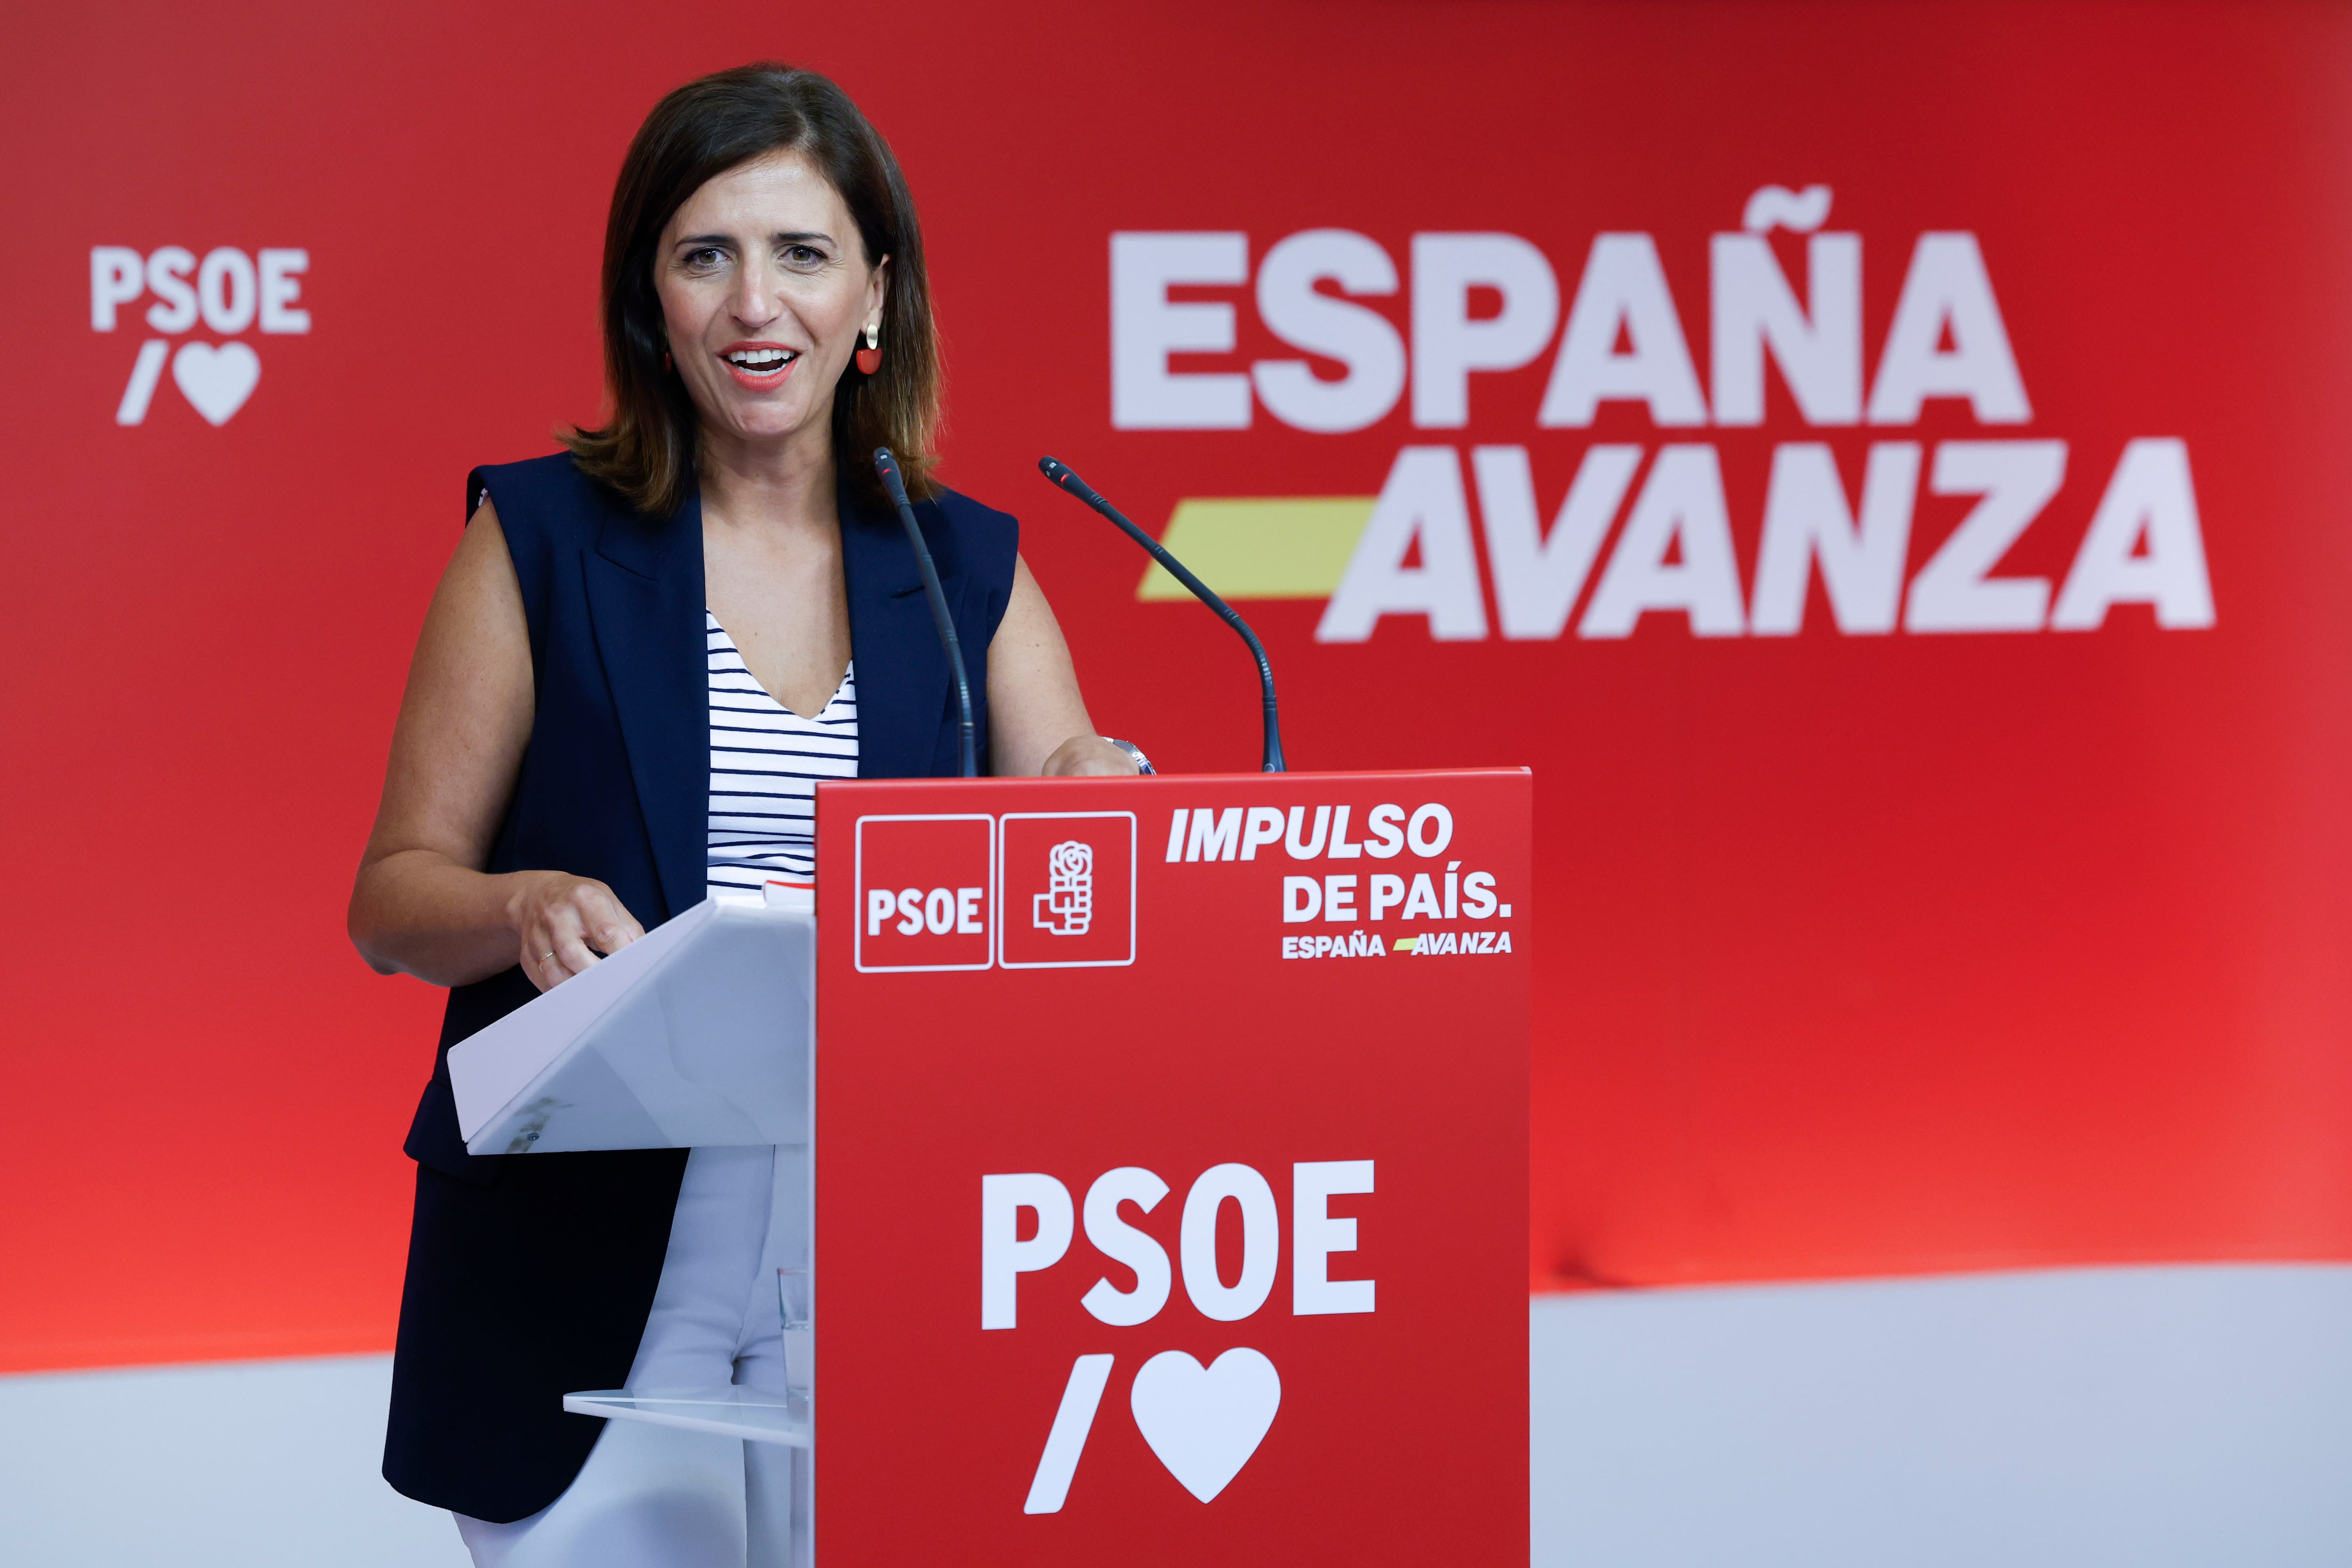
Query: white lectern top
x,y
697,1033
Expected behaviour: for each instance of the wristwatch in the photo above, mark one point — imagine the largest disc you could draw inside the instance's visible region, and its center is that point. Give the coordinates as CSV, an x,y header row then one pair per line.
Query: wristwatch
x,y
1142,762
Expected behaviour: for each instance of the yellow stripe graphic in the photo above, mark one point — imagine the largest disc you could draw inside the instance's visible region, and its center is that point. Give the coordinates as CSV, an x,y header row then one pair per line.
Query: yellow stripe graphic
x,y
1271,547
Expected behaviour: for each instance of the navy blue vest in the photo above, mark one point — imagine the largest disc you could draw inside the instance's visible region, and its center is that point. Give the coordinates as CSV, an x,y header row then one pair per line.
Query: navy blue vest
x,y
530,1276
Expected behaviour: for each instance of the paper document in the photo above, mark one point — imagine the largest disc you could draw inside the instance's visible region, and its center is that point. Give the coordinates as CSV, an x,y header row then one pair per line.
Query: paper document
x,y
697,1034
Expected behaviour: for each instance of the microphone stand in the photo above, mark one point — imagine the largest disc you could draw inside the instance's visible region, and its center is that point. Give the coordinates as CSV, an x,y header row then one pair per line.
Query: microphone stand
x,y
1060,474
886,468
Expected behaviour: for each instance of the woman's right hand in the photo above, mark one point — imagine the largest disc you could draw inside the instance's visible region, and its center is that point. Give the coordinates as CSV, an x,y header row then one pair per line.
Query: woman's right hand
x,y
564,923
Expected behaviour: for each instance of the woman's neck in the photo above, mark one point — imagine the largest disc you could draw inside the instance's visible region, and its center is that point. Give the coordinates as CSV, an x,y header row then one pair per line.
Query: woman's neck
x,y
784,485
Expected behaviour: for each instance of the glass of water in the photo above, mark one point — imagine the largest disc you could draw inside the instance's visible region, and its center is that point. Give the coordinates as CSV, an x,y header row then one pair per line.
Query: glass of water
x,y
796,1296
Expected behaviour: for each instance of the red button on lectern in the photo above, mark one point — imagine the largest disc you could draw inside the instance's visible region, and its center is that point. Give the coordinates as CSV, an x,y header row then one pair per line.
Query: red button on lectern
x,y
1171,1171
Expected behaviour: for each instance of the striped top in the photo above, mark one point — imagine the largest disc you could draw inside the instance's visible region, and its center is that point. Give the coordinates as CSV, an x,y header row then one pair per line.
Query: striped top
x,y
765,762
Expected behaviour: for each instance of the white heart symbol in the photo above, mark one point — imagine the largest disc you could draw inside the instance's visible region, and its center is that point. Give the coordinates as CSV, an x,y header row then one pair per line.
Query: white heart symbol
x,y
1204,1423
215,381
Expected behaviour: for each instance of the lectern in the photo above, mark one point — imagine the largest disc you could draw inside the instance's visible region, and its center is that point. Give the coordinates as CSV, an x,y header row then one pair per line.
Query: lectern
x,y
1167,1151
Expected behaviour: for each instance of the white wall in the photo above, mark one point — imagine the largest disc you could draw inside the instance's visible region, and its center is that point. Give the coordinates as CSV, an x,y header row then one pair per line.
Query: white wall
x,y
236,1465
2152,1417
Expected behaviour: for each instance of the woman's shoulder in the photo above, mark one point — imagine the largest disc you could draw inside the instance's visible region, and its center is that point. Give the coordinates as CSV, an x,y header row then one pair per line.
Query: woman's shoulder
x,y
969,512
980,536
546,492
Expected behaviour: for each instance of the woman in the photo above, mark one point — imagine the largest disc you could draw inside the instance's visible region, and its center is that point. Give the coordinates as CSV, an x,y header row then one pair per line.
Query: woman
x,y
629,640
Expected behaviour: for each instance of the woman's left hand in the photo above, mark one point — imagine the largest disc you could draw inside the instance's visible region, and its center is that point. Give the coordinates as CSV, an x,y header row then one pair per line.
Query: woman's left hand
x,y
1089,757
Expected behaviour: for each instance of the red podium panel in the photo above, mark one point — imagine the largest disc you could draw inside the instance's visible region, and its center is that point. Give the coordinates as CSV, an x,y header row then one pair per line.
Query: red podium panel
x,y
1179,1214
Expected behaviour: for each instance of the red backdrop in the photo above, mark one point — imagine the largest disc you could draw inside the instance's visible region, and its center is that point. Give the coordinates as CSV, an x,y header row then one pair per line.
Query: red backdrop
x,y
1859,953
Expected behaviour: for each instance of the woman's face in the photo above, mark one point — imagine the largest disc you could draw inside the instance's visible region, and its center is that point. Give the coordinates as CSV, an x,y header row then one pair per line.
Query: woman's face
x,y
764,288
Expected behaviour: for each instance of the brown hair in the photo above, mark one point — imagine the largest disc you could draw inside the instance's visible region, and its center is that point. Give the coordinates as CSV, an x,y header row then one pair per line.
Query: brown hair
x,y
648,449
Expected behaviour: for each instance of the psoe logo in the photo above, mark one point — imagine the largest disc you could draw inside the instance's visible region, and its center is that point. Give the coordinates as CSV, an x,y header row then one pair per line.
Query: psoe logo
x,y
1066,906
1031,890
228,292
1072,874
1202,1423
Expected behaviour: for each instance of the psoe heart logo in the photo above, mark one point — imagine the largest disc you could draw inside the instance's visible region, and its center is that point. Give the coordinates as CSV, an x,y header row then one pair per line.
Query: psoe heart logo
x,y
1203,1424
229,290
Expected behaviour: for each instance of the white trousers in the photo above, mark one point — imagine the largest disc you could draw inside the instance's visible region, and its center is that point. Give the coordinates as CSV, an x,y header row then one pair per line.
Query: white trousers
x,y
654,1497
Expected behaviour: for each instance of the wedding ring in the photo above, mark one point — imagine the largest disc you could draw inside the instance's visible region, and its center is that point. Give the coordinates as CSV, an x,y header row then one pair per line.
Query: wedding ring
x,y
548,954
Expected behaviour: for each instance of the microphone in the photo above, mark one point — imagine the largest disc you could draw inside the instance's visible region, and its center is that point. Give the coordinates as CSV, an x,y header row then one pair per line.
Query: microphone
x,y
886,466
1059,473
